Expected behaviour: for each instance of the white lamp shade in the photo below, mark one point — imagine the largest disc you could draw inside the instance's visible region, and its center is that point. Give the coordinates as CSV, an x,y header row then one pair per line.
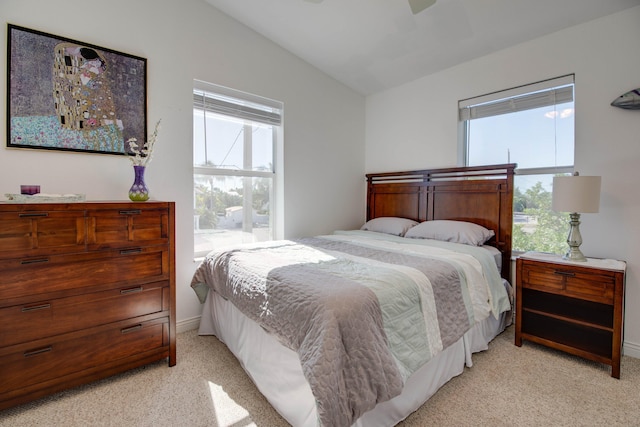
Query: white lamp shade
x,y
580,194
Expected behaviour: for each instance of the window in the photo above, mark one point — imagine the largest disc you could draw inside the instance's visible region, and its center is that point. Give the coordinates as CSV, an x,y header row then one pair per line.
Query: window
x,y
532,126
236,153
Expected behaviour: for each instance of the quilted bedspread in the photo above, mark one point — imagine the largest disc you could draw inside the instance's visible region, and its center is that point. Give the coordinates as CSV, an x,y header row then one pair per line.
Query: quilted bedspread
x,y
362,310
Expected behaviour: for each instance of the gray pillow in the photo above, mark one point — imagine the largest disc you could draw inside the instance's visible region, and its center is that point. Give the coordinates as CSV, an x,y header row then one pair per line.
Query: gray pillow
x,y
464,232
389,225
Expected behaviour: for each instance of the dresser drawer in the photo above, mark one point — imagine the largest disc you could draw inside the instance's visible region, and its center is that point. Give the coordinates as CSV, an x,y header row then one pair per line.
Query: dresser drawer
x,y
40,361
35,232
111,228
594,286
48,318
66,275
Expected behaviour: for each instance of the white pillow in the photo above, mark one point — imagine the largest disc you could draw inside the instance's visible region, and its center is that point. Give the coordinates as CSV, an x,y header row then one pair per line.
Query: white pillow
x,y
467,233
389,225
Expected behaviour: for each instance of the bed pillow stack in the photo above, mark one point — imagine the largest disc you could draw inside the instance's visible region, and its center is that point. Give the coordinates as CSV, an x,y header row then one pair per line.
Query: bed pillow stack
x,y
463,232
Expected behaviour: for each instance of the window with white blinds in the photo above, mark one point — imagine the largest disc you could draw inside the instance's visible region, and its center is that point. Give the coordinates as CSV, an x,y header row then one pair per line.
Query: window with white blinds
x,y
533,126
236,161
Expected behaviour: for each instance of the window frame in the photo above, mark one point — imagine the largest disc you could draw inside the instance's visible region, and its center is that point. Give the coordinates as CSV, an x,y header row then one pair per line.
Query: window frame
x,y
250,110
464,118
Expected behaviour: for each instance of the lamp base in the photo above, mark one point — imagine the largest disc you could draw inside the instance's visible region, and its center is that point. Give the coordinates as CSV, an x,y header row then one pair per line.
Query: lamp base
x,y
574,254
574,240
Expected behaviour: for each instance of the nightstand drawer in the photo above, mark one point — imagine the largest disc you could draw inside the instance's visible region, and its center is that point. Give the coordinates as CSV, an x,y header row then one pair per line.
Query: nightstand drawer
x,y
595,286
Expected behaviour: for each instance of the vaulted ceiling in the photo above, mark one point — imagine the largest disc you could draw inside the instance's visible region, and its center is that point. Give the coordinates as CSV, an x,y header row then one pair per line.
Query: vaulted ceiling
x,y
374,45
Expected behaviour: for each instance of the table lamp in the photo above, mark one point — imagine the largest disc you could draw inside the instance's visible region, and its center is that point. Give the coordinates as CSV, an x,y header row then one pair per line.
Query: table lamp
x,y
576,194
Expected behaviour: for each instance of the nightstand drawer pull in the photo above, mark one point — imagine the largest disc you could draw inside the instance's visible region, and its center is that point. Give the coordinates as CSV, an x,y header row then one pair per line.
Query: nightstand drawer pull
x,y
38,351
36,308
131,290
34,261
131,212
130,251
32,214
131,329
565,273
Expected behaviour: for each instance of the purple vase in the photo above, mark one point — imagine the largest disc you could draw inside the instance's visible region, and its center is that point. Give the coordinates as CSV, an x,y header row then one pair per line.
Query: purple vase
x,y
139,191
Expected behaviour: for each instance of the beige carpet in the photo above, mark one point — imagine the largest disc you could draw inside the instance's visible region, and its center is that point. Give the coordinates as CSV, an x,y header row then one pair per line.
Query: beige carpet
x,y
507,386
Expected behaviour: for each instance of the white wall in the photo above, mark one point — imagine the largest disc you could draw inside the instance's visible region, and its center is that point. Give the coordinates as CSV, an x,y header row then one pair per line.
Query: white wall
x,y
183,40
415,126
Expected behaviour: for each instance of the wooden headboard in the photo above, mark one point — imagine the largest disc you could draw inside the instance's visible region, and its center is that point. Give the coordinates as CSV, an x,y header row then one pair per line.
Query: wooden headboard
x,y
478,194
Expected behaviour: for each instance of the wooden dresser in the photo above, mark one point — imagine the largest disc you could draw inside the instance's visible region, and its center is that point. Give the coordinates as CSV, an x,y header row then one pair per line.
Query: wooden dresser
x,y
576,307
87,290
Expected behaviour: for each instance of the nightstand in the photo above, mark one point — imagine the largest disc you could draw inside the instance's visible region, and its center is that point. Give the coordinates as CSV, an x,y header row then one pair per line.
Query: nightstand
x,y
576,307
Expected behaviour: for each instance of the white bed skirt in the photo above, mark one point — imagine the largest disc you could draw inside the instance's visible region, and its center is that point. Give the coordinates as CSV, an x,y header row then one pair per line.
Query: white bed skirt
x,y
276,370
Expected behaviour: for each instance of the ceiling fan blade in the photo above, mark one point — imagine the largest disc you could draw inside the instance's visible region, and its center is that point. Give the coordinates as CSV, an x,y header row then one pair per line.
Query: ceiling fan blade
x,y
418,6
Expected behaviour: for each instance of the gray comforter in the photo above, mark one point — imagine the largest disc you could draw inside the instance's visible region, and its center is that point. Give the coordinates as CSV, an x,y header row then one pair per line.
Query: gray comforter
x,y
362,311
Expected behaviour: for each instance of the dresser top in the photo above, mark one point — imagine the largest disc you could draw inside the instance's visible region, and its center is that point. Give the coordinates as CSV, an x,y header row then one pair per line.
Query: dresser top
x,y
9,206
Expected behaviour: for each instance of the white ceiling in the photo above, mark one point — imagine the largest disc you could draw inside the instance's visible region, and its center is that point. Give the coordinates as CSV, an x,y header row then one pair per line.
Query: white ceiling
x,y
373,45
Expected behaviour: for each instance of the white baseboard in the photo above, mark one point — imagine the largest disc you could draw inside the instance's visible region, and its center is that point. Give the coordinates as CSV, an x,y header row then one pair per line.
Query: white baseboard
x,y
188,324
631,349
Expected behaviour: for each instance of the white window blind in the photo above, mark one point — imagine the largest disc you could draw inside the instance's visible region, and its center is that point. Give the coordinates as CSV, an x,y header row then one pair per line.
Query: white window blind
x,y
230,102
536,95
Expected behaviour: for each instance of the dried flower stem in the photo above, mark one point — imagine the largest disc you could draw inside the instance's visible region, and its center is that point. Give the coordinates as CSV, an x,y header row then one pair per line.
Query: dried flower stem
x,y
141,156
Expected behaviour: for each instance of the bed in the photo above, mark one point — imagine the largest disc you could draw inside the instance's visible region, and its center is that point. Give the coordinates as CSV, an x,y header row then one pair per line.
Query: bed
x,y
361,327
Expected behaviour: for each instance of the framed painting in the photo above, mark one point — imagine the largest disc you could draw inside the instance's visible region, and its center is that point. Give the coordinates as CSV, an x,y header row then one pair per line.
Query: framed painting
x,y
63,94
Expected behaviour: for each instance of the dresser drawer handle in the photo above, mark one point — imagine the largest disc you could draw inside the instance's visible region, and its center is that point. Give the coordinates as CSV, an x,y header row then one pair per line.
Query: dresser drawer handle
x,y
131,290
564,273
32,214
131,329
38,351
131,212
36,308
34,261
130,251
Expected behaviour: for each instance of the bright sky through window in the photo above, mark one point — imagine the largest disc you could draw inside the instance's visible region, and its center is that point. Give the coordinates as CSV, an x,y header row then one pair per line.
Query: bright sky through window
x,y
540,137
225,149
